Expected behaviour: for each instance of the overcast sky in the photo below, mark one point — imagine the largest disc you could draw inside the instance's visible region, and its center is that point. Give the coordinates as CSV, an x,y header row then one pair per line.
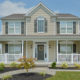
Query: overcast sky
x,y
8,7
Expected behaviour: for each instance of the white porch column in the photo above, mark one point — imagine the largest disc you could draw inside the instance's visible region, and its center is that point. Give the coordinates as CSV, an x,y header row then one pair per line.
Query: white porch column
x,y
22,47
57,50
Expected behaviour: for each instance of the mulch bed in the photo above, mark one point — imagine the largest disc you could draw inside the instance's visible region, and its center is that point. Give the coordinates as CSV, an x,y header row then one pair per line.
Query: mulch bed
x,y
69,68
6,69
30,76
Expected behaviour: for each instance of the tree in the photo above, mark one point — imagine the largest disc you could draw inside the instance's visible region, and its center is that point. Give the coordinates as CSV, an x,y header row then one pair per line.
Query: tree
x,y
26,63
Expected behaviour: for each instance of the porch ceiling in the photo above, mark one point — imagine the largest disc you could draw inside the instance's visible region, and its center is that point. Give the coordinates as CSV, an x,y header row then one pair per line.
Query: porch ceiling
x,y
38,37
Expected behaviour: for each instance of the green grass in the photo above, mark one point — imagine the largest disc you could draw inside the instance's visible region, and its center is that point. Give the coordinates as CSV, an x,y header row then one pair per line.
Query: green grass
x,y
65,76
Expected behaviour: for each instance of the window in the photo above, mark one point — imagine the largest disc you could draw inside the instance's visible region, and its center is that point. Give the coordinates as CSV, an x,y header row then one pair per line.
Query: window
x,y
14,49
41,24
14,28
66,48
66,27
0,48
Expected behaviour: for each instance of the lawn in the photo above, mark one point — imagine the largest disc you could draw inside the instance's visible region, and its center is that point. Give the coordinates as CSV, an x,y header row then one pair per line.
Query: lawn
x,y
66,76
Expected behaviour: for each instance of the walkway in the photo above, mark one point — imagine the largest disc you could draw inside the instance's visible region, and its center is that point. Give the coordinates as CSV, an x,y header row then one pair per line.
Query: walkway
x,y
38,70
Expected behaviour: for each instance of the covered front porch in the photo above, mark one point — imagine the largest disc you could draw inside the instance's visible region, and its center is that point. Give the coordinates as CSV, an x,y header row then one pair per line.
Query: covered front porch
x,y
11,51
68,51
46,49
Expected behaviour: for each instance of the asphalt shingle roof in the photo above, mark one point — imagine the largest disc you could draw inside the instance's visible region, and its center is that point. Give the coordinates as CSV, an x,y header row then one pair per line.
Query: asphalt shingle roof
x,y
66,15
22,16
15,16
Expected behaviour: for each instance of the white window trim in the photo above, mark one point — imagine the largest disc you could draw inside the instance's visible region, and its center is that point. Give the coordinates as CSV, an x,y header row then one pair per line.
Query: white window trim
x,y
43,26
13,48
66,28
66,46
14,29
1,47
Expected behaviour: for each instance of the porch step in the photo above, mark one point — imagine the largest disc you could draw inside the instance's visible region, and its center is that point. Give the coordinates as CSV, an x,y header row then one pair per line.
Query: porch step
x,y
42,64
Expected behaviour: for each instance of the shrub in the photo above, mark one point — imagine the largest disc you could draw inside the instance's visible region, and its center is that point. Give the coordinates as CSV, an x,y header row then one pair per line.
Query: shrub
x,y
2,65
1,68
42,74
77,65
26,63
53,65
13,64
64,65
6,77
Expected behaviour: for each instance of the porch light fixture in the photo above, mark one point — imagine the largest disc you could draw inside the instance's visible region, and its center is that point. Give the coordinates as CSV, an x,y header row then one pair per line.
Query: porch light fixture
x,y
31,46
49,46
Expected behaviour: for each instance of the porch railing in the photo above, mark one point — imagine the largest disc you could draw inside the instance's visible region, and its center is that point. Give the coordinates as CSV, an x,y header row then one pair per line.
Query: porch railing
x,y
69,58
7,58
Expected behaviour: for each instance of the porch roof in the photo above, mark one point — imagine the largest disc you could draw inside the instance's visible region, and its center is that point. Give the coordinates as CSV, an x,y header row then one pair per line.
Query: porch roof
x,y
38,37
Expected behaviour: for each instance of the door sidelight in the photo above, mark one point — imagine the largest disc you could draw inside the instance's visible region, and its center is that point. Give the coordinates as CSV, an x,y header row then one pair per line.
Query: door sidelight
x,y
45,55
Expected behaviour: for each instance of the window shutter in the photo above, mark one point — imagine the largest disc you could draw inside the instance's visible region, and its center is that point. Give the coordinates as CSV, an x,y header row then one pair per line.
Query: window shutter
x,y
58,27
35,25
45,25
22,27
6,48
6,27
74,48
74,27
59,48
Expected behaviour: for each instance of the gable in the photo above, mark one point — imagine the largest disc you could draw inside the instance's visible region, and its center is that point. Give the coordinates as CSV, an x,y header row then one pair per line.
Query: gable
x,y
44,8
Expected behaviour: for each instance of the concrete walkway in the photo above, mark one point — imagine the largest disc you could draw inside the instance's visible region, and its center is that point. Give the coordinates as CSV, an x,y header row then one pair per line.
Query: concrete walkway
x,y
35,70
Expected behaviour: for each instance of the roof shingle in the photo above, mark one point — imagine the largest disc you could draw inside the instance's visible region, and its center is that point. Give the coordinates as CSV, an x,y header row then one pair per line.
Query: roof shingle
x,y
15,16
22,16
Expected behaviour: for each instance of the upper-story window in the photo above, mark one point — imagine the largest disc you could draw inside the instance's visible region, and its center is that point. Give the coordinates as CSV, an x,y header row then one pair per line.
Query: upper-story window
x,y
14,28
40,25
66,27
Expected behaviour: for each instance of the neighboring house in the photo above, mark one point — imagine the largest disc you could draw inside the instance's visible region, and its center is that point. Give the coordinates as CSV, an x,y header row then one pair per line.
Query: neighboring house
x,y
41,34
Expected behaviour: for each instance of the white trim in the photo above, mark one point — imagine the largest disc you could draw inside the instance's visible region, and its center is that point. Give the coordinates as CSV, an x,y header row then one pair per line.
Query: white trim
x,y
43,6
41,18
14,26
47,51
22,47
66,27
57,50
1,47
26,27
26,49
66,44
33,49
78,27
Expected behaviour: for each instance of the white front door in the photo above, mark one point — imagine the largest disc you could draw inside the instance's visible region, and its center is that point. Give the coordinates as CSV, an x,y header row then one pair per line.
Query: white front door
x,y
41,51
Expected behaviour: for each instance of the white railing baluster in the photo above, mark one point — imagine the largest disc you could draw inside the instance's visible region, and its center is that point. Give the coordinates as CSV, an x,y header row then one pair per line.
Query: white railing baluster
x,y
72,58
5,58
69,58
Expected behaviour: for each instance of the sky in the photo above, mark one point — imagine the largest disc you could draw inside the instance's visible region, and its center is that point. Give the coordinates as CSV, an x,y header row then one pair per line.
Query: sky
x,y
8,7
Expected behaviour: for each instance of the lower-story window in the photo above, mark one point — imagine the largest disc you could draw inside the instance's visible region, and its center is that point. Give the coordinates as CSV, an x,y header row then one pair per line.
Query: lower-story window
x,y
14,49
66,48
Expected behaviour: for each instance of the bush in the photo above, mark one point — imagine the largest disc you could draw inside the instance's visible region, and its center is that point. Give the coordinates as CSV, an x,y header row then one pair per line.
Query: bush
x,y
77,65
2,65
64,65
42,74
13,64
53,65
26,63
6,77
1,68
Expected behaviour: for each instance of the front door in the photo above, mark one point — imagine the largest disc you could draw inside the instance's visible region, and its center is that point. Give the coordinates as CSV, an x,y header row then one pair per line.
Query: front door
x,y
40,51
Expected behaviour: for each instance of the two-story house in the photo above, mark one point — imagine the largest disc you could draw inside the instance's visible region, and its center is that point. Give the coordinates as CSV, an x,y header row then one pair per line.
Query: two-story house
x,y
42,34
